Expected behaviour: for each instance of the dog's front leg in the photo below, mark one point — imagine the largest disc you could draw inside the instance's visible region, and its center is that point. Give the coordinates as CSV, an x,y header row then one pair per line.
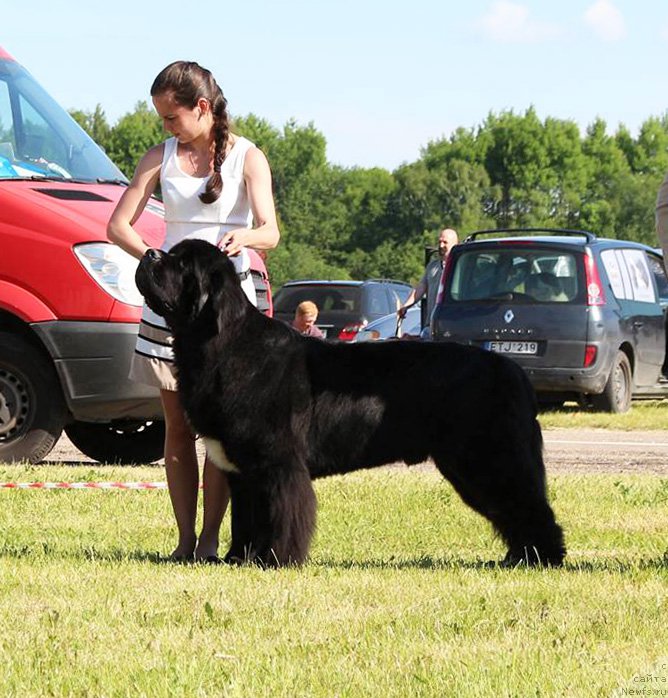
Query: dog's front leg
x,y
243,517
273,516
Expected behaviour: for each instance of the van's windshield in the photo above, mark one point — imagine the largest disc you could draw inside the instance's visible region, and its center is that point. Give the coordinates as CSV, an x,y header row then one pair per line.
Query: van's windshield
x,y
40,140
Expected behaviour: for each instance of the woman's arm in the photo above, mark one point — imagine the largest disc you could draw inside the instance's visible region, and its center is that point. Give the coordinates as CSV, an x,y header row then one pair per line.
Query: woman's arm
x,y
132,203
264,235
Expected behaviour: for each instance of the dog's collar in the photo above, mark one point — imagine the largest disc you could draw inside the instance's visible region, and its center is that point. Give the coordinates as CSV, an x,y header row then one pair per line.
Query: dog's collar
x,y
243,275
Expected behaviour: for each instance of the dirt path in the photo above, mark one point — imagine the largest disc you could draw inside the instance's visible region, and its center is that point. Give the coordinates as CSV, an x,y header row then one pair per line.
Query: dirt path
x,y
606,451
566,451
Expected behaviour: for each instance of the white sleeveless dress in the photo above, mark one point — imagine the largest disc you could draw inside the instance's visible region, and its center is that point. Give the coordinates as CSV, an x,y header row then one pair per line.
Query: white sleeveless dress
x,y
187,217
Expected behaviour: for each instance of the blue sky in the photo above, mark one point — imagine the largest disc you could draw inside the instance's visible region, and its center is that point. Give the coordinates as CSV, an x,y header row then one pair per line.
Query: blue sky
x,y
379,78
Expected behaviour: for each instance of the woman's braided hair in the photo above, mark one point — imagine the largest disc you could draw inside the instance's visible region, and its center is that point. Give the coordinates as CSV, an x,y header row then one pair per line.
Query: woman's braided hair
x,y
187,82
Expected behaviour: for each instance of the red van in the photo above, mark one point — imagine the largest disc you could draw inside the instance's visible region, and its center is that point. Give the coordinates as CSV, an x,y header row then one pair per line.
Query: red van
x,y
69,307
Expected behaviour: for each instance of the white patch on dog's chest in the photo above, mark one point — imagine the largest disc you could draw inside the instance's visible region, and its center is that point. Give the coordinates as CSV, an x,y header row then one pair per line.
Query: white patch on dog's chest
x,y
216,453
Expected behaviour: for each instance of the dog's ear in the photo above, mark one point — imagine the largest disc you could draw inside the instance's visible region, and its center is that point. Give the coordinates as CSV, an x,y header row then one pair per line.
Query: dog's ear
x,y
225,297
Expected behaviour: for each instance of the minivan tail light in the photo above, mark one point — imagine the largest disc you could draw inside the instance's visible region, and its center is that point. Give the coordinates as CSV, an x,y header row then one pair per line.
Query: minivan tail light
x,y
590,355
595,295
349,332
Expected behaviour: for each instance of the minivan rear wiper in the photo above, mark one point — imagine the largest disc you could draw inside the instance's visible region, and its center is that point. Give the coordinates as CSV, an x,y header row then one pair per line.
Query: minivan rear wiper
x,y
501,297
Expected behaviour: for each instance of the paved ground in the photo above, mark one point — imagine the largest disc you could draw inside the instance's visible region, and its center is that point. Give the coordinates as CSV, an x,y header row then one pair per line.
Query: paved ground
x,y
566,450
606,451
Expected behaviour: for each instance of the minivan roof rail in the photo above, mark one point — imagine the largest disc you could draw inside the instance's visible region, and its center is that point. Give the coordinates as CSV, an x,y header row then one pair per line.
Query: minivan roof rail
x,y
589,236
389,281
345,281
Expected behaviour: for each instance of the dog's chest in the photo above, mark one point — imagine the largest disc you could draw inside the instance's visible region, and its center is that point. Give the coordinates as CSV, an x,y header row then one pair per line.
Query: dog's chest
x,y
216,453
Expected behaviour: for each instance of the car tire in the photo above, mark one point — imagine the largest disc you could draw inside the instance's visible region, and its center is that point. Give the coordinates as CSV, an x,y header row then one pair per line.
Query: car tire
x,y
616,396
32,409
136,442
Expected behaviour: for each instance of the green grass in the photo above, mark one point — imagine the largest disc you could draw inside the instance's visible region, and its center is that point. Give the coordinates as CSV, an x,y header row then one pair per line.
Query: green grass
x,y
397,599
651,414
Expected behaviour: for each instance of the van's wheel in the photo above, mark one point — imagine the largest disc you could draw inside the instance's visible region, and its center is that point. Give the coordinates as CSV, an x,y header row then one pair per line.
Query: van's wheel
x,y
616,396
134,442
32,409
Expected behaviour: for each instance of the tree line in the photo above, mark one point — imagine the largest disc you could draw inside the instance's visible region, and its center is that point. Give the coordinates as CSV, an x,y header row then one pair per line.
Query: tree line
x,y
513,170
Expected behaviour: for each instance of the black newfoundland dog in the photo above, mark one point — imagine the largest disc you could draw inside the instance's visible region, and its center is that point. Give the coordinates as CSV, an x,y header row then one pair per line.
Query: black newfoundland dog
x,y
277,409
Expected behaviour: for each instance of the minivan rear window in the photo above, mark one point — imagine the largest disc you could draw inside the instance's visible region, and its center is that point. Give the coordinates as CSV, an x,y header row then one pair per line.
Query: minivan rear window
x,y
344,299
532,275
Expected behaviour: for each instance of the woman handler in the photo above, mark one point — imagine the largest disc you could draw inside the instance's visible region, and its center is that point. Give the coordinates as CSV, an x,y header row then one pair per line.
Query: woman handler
x,y
215,186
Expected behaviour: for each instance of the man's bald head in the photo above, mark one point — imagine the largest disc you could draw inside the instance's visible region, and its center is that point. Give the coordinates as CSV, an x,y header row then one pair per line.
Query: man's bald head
x,y
447,239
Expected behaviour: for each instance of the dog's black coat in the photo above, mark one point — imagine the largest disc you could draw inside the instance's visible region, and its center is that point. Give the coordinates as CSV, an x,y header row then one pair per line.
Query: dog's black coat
x,y
288,408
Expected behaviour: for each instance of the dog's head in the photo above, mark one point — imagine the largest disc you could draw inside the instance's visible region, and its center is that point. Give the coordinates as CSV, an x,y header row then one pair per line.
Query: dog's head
x,y
191,285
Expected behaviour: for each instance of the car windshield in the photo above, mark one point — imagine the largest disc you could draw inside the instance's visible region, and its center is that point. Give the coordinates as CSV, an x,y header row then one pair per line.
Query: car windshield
x,y
39,139
330,298
514,273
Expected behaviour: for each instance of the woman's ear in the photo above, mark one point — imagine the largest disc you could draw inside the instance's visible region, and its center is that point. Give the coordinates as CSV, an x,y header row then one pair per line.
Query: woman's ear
x,y
204,105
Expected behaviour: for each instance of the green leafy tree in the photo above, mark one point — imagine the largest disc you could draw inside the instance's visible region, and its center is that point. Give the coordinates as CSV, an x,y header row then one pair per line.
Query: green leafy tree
x,y
568,173
366,194
133,135
427,198
94,123
260,131
517,161
296,260
390,260
608,170
648,154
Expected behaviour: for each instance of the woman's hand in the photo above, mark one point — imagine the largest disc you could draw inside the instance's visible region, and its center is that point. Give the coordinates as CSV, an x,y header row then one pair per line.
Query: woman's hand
x,y
234,241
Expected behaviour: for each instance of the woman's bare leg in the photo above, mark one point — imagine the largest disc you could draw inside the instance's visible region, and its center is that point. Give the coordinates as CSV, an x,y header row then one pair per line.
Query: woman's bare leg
x,y
216,497
182,473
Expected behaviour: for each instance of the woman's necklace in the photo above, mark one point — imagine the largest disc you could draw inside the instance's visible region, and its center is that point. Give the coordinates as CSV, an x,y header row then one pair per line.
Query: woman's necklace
x,y
194,166
192,162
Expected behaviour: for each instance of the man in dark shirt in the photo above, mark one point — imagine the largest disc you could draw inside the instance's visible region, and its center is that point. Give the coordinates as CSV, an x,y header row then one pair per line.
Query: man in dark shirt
x,y
431,278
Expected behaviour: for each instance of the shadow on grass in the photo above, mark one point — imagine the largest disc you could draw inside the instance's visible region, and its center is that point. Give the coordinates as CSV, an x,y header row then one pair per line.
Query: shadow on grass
x,y
435,563
46,550
118,555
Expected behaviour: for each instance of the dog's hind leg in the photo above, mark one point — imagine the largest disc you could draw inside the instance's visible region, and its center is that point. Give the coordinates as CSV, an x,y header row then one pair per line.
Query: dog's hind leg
x,y
504,480
528,524
275,516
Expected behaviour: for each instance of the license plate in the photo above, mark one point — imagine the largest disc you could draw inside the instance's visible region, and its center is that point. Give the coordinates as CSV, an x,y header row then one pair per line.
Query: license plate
x,y
512,347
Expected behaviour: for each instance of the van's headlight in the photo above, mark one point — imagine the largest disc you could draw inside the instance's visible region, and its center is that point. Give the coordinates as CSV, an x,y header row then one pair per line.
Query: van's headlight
x,y
112,269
